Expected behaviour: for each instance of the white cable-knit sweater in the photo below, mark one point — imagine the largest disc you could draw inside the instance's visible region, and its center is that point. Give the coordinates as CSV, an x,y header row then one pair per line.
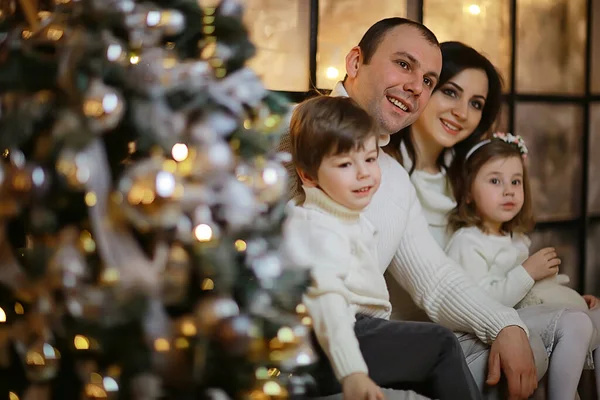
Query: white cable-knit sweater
x,y
406,247
339,245
494,262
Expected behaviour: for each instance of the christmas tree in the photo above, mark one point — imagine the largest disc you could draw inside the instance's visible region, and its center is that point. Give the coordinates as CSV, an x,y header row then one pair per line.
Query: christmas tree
x,y
142,204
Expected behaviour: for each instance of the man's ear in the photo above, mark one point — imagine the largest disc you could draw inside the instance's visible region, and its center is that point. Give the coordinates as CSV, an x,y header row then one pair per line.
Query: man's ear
x,y
353,61
306,179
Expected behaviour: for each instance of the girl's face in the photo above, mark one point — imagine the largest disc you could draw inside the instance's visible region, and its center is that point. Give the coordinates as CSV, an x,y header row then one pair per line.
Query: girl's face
x,y
455,109
497,191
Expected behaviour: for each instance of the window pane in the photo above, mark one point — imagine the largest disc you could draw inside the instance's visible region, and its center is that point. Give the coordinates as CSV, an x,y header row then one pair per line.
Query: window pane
x,y
594,163
280,31
551,46
592,270
553,133
502,121
483,25
342,23
595,47
565,241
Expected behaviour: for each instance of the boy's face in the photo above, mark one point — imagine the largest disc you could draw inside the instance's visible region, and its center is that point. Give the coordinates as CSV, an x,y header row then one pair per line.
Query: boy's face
x,y
350,179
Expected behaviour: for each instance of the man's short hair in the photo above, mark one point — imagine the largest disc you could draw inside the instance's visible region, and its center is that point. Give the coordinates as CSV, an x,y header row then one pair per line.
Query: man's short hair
x,y
375,34
324,126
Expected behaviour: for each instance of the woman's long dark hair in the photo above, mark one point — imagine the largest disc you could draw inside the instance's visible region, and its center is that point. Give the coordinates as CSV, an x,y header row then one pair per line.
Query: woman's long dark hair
x,y
457,57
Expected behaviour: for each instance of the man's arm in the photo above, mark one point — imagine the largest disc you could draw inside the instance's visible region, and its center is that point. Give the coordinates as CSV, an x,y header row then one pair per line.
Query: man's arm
x,y
439,286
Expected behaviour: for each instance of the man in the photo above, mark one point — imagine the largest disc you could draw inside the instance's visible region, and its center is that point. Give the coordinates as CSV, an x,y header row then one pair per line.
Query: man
x,y
391,74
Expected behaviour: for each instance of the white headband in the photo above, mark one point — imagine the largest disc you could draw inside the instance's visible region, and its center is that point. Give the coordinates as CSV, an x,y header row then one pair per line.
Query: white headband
x,y
477,147
505,137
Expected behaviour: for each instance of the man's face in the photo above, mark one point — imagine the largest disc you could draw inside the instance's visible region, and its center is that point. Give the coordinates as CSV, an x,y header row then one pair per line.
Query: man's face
x,y
396,84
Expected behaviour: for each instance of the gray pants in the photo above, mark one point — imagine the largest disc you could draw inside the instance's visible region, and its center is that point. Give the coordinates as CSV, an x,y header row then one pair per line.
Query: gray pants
x,y
477,352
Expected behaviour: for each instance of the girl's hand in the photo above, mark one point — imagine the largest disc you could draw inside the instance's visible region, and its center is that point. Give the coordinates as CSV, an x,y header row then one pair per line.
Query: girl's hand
x,y
542,264
592,301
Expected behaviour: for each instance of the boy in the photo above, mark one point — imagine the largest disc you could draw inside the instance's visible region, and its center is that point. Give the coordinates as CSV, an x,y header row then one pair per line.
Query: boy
x,y
335,150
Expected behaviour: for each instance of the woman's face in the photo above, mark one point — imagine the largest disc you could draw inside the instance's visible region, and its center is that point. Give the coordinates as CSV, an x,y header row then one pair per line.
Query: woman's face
x,y
454,110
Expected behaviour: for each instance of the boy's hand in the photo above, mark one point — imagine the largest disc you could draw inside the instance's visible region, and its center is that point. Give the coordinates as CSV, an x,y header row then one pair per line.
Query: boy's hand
x,y
359,386
542,264
592,301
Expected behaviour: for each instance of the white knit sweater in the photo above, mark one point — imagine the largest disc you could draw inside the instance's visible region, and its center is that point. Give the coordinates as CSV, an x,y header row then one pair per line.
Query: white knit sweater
x,y
435,195
339,245
407,248
494,262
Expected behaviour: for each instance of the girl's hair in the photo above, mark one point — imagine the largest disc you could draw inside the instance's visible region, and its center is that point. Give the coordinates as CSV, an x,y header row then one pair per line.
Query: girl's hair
x,y
457,57
465,213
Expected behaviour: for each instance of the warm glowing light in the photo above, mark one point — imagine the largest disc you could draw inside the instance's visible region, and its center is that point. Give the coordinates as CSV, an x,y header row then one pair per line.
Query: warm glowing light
x,y
162,344
207,284
286,335
203,233
188,328
474,9
272,388
240,245
2,315
81,342
179,152
332,73
91,199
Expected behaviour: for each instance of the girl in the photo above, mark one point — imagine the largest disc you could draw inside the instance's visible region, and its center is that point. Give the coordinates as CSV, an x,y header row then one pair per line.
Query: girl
x,y
492,215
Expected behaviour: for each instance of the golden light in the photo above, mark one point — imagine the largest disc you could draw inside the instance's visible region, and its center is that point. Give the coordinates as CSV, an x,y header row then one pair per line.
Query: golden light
x,y
203,233
182,343
179,152
19,308
91,199
81,342
474,9
2,315
301,309
12,396
240,245
286,335
207,284
272,388
332,73
134,59
162,344
188,328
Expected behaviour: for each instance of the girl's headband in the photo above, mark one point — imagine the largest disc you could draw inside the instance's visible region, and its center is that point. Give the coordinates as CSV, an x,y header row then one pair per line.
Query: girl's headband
x,y
505,137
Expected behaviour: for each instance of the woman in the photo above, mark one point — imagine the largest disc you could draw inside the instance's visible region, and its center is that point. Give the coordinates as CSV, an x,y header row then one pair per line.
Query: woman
x,y
462,109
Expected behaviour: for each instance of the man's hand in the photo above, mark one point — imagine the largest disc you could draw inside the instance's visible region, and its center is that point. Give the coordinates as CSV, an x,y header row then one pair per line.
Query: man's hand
x,y
359,386
512,354
592,301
